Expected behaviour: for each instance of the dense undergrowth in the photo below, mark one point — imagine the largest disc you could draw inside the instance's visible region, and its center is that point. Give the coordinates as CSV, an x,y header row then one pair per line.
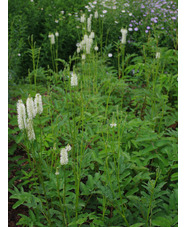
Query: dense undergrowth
x,y
115,104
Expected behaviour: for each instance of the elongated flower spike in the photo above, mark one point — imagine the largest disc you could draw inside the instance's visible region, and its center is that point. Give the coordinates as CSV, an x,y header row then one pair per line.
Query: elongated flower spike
x,y
96,15
89,24
31,111
158,55
30,129
38,104
124,35
21,117
82,18
74,79
52,38
64,156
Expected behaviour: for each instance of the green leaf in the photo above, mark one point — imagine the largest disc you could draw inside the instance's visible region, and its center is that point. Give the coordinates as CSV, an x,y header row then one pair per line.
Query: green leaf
x,y
162,221
18,203
137,225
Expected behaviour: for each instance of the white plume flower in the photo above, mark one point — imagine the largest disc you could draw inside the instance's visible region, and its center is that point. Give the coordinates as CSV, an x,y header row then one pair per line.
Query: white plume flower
x,y
124,35
96,14
52,38
74,79
158,55
21,117
68,147
31,111
91,35
83,56
38,104
57,34
82,18
96,48
78,50
89,24
30,129
64,156
88,42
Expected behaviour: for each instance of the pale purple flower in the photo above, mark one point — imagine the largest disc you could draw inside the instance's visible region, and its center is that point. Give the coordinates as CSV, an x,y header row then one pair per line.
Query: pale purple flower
x,y
148,27
136,29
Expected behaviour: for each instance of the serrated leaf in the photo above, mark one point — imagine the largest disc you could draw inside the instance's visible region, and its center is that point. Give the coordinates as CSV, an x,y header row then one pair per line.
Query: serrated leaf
x,y
162,221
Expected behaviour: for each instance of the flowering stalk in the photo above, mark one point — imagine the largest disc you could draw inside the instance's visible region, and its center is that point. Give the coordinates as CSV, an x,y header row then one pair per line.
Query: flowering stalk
x,y
38,104
21,115
30,130
74,79
31,111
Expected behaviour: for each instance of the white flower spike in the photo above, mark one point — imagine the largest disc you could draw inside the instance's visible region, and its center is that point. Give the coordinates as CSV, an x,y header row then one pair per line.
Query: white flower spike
x,y
64,156
38,104
158,55
124,35
30,129
31,111
74,79
21,117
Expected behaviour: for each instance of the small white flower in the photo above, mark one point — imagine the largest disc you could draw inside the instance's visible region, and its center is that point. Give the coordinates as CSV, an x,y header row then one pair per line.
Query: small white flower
x,y
56,21
19,54
57,34
30,129
113,125
62,12
130,14
31,111
83,56
130,29
57,172
21,117
123,11
104,11
78,50
64,156
74,80
68,147
96,48
158,55
110,55
38,104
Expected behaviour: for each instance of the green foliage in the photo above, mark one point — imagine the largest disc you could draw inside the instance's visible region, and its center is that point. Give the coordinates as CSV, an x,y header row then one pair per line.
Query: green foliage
x,y
120,120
